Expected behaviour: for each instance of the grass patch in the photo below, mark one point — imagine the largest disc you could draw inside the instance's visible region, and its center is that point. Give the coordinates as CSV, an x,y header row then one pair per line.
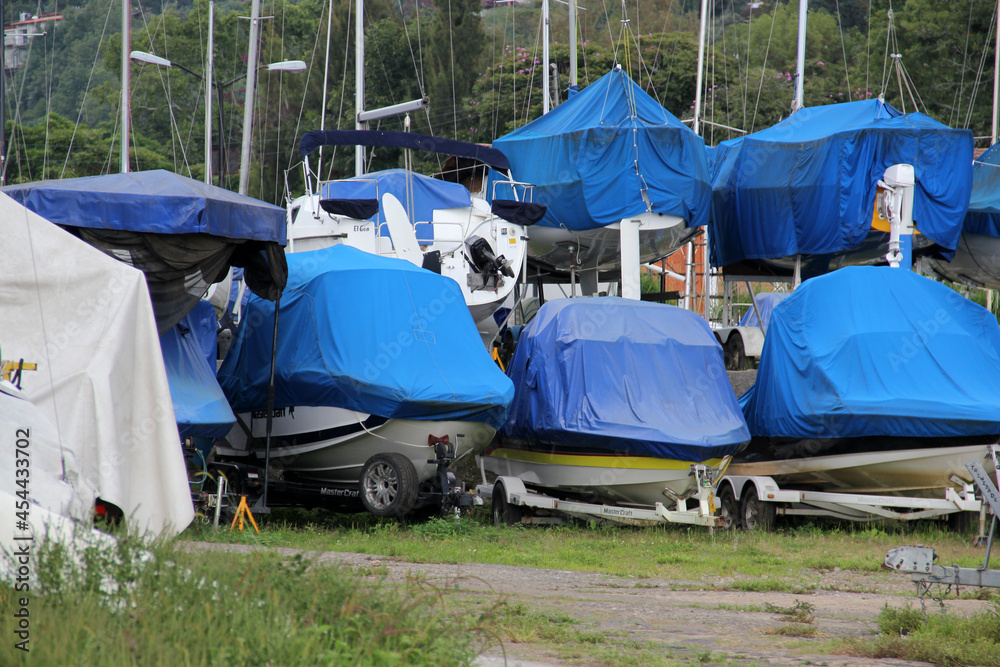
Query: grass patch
x,y
943,639
794,630
800,612
156,606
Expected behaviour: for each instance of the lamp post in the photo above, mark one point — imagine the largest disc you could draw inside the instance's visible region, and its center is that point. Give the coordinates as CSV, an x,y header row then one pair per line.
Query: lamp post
x,y
290,66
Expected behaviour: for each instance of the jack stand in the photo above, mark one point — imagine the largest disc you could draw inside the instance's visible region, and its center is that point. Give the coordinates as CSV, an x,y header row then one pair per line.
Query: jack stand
x,y
241,511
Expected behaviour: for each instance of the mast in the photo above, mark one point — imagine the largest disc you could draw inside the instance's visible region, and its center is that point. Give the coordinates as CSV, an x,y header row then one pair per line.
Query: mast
x,y
250,95
996,80
545,57
3,85
126,81
359,82
800,62
701,66
209,71
572,47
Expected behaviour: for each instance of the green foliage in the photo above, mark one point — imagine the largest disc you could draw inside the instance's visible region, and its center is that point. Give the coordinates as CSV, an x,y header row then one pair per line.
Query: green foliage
x,y
899,621
157,606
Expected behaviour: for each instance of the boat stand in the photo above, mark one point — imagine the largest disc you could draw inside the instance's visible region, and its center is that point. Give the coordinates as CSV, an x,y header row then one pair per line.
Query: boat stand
x,y
919,560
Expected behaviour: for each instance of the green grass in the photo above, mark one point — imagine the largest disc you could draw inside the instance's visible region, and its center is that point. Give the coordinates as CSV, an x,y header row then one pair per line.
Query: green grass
x,y
943,639
165,607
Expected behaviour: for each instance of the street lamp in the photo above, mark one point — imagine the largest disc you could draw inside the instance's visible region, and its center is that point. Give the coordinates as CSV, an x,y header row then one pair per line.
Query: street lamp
x,y
290,66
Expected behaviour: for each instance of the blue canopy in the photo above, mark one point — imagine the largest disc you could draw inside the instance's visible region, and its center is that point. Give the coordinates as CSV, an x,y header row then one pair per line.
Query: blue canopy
x,y
592,158
154,201
876,351
765,305
428,193
373,334
421,142
984,208
189,351
615,375
807,185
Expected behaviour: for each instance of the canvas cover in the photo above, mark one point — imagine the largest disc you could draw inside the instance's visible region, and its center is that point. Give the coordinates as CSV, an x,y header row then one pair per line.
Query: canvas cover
x,y
616,375
373,334
765,306
807,185
984,207
428,193
189,354
592,159
86,320
877,351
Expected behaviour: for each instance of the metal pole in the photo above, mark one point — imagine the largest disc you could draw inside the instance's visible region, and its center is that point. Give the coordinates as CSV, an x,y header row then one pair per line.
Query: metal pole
x,y
270,399
248,102
996,79
126,81
359,82
209,71
701,66
326,77
545,56
3,102
800,63
572,45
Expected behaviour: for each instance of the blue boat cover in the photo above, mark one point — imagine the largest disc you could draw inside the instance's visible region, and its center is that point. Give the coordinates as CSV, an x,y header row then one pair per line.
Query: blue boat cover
x,y
640,378
984,208
428,194
877,351
766,302
592,158
373,334
807,185
154,201
189,351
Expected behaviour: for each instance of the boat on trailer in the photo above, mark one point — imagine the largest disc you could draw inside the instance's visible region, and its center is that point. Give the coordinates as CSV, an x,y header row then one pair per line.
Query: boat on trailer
x,y
873,380
615,401
433,223
380,381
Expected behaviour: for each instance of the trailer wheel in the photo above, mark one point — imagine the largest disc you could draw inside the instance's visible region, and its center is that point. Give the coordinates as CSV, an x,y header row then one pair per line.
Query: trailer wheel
x,y
504,514
729,508
736,358
389,485
755,514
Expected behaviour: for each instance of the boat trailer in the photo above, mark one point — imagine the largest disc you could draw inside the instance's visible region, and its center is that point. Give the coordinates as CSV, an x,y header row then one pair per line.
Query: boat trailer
x,y
919,560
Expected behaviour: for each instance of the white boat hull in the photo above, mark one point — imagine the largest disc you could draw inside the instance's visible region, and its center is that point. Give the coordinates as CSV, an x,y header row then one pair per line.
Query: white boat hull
x,y
332,444
913,472
620,480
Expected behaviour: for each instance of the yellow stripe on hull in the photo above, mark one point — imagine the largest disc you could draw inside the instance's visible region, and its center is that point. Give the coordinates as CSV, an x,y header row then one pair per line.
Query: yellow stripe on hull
x,y
598,461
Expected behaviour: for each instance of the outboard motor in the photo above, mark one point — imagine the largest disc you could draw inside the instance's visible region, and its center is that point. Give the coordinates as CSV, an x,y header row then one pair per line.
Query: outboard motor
x,y
486,264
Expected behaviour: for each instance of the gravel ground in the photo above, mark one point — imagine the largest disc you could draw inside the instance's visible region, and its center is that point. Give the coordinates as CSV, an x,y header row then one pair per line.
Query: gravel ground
x,y
685,618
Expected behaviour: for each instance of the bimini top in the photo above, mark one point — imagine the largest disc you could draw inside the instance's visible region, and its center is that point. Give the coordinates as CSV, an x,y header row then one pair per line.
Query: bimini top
x,y
593,157
156,201
373,334
807,185
189,352
984,208
619,376
365,192
876,351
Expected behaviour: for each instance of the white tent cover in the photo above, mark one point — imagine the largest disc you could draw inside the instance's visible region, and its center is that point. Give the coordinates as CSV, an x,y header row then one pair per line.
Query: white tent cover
x,y
86,320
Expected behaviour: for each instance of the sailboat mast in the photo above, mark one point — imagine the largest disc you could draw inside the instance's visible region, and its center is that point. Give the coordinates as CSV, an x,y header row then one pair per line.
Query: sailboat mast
x,y
546,96
359,82
800,62
996,81
699,81
572,46
248,103
126,80
209,74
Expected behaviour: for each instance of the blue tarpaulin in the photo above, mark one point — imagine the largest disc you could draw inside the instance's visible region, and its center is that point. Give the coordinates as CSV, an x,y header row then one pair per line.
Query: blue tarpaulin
x,y
592,158
633,377
807,185
373,334
984,207
876,351
189,351
155,201
765,305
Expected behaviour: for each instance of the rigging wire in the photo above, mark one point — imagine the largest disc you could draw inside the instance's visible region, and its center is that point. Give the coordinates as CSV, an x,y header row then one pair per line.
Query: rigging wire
x,y
981,70
843,50
763,68
956,103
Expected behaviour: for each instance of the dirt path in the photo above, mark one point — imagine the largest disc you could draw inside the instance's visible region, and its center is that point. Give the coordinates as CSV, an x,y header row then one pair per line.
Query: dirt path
x,y
687,619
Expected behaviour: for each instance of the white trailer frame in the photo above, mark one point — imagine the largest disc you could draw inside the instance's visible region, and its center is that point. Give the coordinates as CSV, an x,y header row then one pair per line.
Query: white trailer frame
x,y
850,506
555,510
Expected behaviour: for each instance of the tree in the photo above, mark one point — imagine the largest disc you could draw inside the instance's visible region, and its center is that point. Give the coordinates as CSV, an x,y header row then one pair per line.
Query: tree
x,y
455,45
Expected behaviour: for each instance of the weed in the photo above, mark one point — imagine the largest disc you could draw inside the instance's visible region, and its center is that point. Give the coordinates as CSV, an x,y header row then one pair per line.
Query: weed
x,y
794,630
801,612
